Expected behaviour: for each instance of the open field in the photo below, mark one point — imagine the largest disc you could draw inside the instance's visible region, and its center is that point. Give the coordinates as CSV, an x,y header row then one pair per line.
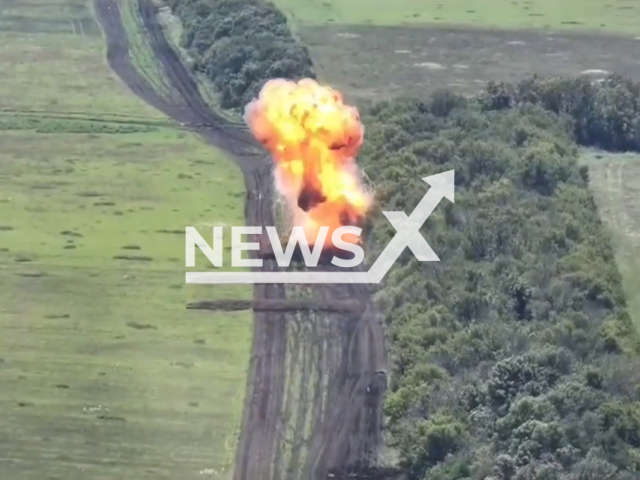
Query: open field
x,y
377,49
47,16
615,16
379,62
104,373
62,73
615,182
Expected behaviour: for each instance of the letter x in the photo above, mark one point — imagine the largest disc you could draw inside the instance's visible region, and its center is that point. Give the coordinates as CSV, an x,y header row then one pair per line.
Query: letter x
x,y
408,231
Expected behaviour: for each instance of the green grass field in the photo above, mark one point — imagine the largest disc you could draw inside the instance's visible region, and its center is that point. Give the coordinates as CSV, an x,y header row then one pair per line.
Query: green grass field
x,y
103,373
617,16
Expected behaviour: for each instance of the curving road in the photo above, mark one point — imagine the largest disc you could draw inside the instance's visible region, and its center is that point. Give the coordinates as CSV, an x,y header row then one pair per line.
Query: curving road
x,y
313,404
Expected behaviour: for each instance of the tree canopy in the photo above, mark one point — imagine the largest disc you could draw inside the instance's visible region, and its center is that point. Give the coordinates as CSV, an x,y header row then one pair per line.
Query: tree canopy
x,y
239,45
606,113
514,356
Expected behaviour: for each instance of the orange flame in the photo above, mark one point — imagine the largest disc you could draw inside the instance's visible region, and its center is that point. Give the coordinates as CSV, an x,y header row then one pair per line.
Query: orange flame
x,y
313,138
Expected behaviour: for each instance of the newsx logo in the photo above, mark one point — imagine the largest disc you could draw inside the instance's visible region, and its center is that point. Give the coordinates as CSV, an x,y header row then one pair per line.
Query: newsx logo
x,y
407,235
283,257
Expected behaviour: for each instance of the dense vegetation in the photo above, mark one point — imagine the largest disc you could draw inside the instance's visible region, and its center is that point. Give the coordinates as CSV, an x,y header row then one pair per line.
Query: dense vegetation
x,y
239,45
606,114
511,353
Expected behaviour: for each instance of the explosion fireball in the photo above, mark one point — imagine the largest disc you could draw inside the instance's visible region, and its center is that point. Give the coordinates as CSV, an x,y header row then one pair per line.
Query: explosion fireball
x,y
313,138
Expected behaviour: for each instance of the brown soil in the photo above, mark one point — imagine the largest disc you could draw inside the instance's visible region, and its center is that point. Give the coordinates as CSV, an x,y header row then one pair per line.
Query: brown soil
x,y
313,403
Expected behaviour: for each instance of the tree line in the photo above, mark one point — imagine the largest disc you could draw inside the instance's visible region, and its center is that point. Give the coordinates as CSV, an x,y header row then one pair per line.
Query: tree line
x,y
606,113
239,45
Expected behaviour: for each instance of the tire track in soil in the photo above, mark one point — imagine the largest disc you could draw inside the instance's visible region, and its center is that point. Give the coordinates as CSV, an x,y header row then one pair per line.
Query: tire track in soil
x,y
346,411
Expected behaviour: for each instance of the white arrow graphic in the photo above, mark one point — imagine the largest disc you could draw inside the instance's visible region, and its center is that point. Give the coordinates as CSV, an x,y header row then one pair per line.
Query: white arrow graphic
x,y
408,235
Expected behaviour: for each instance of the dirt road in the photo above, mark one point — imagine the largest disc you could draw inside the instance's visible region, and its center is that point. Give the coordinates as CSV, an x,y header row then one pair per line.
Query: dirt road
x,y
313,404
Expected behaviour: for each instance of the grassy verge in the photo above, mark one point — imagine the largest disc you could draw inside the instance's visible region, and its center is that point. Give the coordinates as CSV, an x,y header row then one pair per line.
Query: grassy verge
x,y
140,50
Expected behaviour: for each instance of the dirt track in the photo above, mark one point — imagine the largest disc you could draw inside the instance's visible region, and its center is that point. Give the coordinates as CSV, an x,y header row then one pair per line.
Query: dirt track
x,y
313,403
